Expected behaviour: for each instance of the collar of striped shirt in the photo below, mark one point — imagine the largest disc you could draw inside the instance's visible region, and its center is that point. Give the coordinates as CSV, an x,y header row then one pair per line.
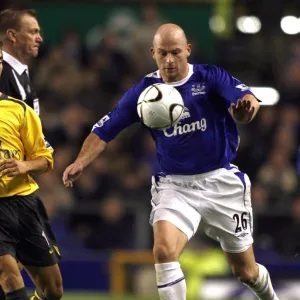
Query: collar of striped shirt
x,y
14,63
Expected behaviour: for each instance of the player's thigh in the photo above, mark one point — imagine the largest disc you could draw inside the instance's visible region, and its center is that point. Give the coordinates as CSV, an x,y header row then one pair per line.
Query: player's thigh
x,y
227,214
41,209
35,247
48,279
171,202
9,225
243,265
169,242
10,276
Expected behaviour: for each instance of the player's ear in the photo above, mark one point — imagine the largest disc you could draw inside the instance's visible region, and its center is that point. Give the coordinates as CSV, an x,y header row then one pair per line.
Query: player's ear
x,y
189,49
152,51
11,35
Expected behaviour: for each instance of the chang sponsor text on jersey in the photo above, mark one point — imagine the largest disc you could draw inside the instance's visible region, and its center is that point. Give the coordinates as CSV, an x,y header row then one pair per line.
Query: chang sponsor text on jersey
x,y
186,128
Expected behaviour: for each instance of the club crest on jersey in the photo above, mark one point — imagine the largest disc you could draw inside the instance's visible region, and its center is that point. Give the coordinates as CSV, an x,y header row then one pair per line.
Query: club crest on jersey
x,y
198,89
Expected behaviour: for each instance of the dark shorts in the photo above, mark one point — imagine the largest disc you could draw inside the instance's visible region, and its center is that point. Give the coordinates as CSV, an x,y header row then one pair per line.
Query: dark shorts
x,y
25,231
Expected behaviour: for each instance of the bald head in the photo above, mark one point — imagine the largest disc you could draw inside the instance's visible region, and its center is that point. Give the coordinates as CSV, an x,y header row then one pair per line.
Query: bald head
x,y
170,51
169,34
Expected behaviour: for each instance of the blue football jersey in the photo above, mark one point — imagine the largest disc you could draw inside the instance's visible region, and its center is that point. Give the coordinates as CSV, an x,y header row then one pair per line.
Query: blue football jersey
x,y
205,139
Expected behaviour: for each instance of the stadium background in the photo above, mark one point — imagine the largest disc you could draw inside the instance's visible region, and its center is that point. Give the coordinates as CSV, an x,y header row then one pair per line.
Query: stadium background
x,y
102,224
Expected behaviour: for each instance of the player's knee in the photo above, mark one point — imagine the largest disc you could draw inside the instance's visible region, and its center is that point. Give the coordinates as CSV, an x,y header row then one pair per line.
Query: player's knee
x,y
10,277
164,254
245,275
11,281
54,292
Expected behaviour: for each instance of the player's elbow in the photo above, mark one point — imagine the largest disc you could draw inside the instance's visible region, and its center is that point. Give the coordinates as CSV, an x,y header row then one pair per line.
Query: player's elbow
x,y
48,166
40,165
47,162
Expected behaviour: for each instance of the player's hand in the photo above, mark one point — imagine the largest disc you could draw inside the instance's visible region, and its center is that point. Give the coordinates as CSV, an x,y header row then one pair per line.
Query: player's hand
x,y
72,173
243,110
12,167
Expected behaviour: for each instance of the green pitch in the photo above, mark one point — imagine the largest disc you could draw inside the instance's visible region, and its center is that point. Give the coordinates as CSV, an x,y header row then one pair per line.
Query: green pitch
x,y
95,296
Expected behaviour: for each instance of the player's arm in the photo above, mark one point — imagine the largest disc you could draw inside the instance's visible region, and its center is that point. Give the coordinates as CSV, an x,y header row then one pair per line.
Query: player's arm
x,y
91,148
37,165
37,151
240,101
12,167
103,131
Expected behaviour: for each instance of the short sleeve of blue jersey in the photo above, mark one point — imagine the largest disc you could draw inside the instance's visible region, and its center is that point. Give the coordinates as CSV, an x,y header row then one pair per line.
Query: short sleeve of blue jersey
x,y
225,85
123,115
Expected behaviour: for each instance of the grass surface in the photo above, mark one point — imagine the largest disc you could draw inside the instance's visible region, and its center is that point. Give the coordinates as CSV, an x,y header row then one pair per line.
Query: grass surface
x,y
95,296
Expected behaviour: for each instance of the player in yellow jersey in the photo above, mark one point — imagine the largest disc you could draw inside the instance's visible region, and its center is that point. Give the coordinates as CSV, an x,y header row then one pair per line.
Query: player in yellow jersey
x,y
23,150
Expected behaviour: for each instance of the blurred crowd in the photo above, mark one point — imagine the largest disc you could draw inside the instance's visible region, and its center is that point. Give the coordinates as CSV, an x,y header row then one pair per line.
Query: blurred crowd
x,y
78,82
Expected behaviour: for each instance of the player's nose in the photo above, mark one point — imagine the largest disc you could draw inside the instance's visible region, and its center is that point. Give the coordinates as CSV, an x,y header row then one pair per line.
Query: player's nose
x,y
169,58
40,39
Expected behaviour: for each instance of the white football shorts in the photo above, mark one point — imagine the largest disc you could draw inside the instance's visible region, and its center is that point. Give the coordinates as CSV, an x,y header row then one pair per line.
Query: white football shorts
x,y
220,200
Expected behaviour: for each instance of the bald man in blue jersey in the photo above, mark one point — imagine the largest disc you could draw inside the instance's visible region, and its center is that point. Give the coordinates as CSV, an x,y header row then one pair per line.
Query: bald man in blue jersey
x,y
196,182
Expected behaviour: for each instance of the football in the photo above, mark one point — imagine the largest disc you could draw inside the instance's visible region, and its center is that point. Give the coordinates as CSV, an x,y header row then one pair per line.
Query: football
x,y
160,106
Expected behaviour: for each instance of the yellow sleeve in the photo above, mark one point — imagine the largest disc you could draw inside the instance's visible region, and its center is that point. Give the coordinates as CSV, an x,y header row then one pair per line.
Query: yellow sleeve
x,y
33,138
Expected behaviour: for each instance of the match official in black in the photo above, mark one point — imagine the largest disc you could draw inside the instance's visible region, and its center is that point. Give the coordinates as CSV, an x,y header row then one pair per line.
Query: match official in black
x,y
21,41
23,232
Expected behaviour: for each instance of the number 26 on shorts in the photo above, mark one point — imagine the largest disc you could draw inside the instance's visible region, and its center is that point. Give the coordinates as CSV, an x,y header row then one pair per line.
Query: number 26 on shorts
x,y
241,222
